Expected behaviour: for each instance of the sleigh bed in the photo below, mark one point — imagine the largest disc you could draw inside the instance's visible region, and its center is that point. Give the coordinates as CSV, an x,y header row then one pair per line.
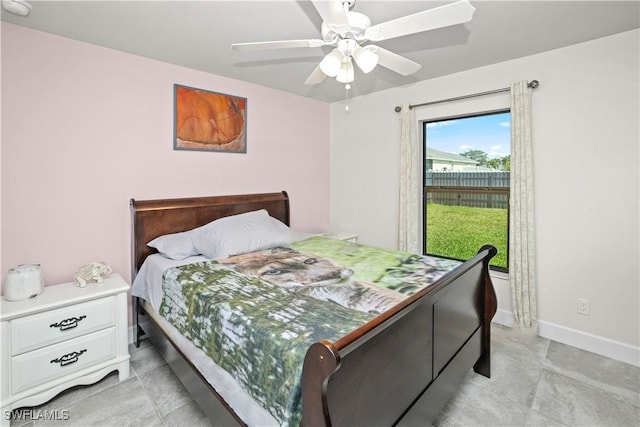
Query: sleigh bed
x,y
399,367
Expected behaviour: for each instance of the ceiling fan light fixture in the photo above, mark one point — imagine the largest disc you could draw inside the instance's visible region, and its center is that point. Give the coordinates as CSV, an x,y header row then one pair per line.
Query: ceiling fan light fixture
x,y
17,7
366,59
350,32
331,63
346,74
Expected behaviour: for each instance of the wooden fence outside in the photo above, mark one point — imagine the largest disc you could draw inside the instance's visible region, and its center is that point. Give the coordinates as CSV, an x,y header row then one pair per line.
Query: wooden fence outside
x,y
474,189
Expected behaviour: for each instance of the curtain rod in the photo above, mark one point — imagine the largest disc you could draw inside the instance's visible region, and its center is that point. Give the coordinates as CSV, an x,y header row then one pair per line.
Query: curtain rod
x,y
532,84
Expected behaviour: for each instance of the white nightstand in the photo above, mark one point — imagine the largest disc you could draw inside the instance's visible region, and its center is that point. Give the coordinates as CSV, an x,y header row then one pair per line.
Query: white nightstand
x,y
64,337
350,237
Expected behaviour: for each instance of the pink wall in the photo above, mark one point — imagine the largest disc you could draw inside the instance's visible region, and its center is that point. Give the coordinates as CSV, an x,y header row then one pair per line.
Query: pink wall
x,y
85,128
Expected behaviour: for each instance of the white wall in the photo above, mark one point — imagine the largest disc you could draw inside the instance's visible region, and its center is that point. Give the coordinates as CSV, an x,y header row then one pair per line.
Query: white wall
x,y
585,115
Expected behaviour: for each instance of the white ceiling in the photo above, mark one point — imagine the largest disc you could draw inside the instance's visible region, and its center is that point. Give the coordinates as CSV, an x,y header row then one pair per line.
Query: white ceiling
x,y
198,35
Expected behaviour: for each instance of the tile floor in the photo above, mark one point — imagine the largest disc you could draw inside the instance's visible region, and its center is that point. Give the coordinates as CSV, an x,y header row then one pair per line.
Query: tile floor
x,y
535,382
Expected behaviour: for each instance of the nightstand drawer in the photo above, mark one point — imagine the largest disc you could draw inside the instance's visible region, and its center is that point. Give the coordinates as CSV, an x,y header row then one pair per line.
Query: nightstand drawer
x,y
39,330
49,363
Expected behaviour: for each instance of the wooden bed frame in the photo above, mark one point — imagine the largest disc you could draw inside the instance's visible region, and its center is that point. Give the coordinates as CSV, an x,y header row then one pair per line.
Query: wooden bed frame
x,y
401,368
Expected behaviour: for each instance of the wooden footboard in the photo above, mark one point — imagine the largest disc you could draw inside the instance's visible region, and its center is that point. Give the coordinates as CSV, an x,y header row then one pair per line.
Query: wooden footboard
x,y
403,367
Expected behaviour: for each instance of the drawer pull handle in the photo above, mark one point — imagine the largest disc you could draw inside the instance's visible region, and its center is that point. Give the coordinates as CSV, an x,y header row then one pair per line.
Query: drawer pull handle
x,y
69,323
69,358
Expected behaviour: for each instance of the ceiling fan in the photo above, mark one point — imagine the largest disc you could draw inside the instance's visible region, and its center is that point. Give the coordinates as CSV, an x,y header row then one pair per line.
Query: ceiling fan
x,y
349,32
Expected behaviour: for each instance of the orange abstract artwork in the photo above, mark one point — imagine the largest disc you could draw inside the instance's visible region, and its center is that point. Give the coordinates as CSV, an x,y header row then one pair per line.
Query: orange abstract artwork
x,y
209,121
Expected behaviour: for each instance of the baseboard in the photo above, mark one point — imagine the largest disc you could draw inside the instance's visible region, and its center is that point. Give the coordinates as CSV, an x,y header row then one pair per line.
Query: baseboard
x,y
583,340
504,318
593,343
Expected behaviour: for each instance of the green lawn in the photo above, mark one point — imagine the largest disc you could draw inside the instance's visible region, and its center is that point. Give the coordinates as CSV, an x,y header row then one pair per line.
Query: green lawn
x,y
459,231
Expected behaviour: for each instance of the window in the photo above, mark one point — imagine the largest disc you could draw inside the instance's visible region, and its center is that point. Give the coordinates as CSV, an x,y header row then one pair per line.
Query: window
x,y
466,186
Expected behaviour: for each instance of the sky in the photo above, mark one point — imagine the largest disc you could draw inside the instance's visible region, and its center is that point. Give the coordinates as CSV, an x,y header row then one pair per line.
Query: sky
x,y
489,133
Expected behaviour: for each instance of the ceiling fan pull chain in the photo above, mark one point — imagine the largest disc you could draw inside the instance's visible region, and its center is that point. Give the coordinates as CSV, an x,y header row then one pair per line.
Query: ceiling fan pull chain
x,y
346,96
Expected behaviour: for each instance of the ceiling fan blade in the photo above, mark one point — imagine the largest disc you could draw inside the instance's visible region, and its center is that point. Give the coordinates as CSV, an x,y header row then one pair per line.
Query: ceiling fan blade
x,y
395,62
280,44
331,11
316,76
443,16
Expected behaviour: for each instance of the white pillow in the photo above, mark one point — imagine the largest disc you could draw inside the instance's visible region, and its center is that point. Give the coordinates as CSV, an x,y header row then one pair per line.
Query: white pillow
x,y
238,234
175,246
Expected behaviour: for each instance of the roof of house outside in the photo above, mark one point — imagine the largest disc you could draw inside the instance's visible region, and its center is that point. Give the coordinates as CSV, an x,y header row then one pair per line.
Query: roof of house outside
x,y
432,154
477,168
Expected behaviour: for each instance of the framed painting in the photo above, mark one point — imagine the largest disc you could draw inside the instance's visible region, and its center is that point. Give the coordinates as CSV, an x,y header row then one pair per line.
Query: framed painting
x,y
209,121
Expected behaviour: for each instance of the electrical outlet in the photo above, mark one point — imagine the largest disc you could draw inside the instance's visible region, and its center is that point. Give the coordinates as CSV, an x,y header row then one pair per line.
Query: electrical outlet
x,y
583,306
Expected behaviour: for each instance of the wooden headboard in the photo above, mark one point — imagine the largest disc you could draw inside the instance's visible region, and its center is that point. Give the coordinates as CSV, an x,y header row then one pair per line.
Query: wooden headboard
x,y
153,218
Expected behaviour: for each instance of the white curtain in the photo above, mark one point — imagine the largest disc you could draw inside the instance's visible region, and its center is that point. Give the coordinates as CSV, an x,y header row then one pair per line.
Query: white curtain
x,y
409,200
522,248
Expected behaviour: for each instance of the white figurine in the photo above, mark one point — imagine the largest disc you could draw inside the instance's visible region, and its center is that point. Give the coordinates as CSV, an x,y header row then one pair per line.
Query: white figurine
x,y
91,272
